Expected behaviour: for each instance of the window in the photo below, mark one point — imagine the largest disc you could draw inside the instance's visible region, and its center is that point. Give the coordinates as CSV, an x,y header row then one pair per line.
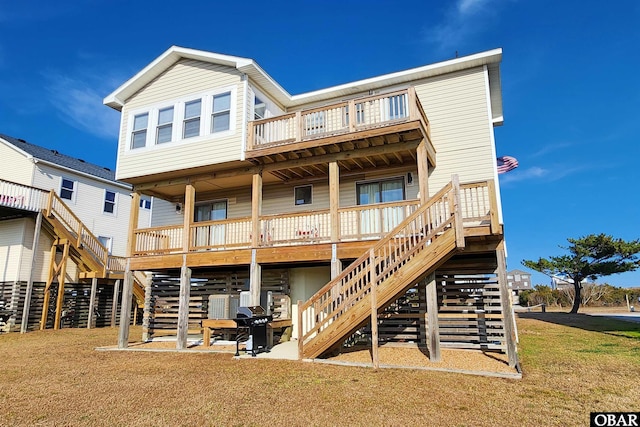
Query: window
x,y
391,190
66,189
259,108
106,242
109,202
192,111
302,195
165,125
145,203
210,211
139,136
221,112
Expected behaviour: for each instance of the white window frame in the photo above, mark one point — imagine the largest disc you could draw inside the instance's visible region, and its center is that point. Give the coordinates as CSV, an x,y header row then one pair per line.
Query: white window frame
x,y
114,203
186,119
165,124
74,190
144,202
134,131
178,119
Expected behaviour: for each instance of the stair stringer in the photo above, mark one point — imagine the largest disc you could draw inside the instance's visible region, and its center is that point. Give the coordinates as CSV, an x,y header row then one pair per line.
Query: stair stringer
x,y
424,262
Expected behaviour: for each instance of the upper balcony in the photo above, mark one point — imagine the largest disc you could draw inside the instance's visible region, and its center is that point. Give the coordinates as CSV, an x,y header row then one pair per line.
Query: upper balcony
x,y
375,131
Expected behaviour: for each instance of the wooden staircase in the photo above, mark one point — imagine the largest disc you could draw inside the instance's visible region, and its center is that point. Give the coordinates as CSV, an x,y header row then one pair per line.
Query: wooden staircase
x,y
414,249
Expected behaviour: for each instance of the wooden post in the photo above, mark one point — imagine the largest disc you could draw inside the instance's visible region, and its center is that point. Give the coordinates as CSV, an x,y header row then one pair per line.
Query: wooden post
x,y
256,209
134,211
353,116
423,171
336,264
146,317
493,207
433,327
62,271
189,205
92,303
114,303
300,332
183,305
255,278
125,306
456,210
34,259
47,286
334,201
299,126
507,310
374,309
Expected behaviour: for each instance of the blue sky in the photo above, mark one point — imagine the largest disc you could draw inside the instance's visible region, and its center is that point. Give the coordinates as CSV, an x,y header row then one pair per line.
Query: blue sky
x,y
569,81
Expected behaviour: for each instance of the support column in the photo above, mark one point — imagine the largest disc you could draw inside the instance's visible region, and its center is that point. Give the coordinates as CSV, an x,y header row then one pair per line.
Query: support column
x,y
433,327
34,258
255,270
91,318
62,272
423,171
334,217
336,264
507,309
114,303
125,306
146,317
127,286
374,310
183,305
189,206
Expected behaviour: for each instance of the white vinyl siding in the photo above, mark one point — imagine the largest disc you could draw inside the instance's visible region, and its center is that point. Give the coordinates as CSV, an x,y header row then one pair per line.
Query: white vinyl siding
x,y
184,79
89,204
11,249
16,167
456,105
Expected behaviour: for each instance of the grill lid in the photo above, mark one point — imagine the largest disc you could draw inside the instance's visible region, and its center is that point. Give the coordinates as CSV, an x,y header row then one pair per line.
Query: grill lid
x,y
249,312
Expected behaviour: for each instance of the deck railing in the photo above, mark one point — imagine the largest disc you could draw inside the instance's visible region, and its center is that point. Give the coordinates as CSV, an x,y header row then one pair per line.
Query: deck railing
x,y
338,118
478,207
18,196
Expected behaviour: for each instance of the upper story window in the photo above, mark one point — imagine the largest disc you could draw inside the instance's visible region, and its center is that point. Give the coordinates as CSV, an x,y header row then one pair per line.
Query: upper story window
x,y
259,108
220,118
139,135
109,202
192,113
303,195
107,242
210,211
192,118
164,131
67,188
389,190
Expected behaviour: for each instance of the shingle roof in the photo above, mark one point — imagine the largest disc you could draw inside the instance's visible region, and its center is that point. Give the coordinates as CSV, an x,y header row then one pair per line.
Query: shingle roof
x,y
53,156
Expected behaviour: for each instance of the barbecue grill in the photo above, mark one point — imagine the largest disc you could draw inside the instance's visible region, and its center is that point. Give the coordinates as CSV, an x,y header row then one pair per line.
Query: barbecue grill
x,y
253,320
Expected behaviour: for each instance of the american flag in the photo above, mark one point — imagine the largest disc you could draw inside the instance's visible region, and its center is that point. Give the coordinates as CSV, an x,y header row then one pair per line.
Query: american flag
x,y
506,163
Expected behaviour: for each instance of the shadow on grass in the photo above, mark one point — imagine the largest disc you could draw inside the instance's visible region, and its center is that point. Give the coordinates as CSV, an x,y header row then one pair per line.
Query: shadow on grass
x,y
603,324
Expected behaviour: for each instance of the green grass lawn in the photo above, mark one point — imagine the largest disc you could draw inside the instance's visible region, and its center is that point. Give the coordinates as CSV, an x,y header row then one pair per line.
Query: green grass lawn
x,y
572,365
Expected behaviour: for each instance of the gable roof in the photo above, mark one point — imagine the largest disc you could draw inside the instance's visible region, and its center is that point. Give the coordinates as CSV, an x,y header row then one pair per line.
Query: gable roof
x,y
60,160
490,58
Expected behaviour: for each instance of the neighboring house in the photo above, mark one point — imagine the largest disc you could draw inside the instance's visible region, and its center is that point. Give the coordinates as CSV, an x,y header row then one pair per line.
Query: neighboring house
x,y
518,281
83,203
390,181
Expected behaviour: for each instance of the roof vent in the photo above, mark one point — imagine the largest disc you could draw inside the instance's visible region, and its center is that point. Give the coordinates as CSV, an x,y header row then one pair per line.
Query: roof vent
x,y
106,168
82,161
22,140
55,152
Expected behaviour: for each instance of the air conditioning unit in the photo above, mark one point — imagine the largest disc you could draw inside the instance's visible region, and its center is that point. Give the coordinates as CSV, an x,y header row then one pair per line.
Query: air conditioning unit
x,y
219,307
245,299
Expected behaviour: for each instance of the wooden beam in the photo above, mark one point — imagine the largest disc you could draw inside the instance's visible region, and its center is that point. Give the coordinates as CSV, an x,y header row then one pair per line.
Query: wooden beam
x,y
92,303
125,306
133,223
27,298
183,305
255,278
146,317
256,209
423,172
507,309
334,201
188,212
373,278
62,271
433,328
114,303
